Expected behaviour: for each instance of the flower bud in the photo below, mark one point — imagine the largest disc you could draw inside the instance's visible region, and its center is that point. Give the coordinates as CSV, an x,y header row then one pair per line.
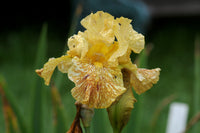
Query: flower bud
x,y
119,113
86,115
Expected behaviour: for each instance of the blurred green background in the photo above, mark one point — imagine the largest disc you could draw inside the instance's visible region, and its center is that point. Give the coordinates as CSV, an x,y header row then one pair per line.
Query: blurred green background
x,y
29,36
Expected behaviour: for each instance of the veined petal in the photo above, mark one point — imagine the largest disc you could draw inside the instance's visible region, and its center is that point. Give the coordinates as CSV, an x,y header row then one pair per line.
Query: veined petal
x,y
96,86
46,72
143,79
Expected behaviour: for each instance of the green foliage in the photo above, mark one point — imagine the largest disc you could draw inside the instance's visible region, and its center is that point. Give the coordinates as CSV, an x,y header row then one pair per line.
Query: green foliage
x,y
59,112
38,87
196,81
31,101
139,107
10,106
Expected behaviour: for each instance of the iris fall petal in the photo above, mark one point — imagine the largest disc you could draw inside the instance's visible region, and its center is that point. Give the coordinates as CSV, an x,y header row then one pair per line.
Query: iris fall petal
x,y
96,86
47,71
143,79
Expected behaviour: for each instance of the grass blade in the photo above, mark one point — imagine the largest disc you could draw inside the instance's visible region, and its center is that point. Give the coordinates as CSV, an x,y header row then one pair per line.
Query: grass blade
x,y
42,47
13,117
158,111
59,112
38,87
100,122
10,118
192,122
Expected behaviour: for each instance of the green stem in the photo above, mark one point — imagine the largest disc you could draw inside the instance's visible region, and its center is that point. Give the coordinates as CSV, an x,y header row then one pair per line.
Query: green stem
x,y
87,129
116,130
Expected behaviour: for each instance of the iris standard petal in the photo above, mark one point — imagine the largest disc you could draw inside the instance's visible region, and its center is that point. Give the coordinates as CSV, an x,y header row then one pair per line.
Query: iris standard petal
x,y
99,27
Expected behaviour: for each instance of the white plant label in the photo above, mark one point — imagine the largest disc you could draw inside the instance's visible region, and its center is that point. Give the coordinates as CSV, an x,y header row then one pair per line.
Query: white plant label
x,y
177,117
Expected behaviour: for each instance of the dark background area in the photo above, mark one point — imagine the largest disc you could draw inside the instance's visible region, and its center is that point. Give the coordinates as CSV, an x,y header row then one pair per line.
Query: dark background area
x,y
16,15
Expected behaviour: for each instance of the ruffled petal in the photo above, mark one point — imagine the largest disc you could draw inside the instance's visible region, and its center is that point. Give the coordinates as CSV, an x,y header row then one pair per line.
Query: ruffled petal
x,y
137,43
130,36
143,79
120,34
127,38
99,27
78,45
96,86
46,72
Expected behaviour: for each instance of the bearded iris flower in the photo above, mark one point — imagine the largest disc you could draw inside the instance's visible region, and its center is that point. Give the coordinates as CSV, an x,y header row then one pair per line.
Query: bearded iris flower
x,y
96,57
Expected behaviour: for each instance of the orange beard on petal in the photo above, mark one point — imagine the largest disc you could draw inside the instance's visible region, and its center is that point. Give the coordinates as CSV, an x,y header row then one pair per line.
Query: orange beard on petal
x,y
96,86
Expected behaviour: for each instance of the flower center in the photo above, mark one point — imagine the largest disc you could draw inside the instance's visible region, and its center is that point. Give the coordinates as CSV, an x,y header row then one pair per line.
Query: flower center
x,y
100,52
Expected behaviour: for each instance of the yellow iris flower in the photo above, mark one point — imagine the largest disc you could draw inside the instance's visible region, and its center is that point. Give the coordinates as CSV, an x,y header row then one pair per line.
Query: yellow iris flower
x,y
96,57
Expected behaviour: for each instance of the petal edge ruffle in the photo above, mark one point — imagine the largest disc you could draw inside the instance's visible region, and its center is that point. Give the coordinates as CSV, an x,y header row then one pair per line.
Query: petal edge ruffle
x,y
143,79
